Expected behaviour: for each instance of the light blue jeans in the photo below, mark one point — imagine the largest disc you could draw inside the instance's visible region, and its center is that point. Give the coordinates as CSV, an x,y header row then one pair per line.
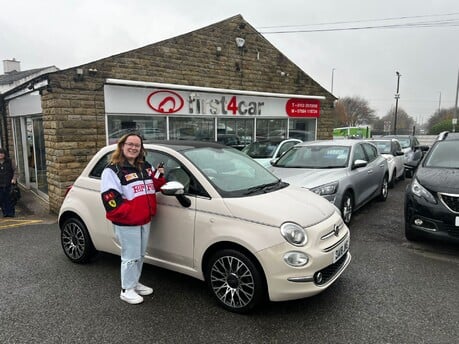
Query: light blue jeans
x,y
133,240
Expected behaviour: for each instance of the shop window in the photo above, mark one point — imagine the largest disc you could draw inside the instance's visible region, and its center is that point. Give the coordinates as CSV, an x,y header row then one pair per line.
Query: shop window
x,y
149,128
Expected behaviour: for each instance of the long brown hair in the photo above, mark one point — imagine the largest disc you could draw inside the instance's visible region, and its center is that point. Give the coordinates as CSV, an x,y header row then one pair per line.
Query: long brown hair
x,y
118,157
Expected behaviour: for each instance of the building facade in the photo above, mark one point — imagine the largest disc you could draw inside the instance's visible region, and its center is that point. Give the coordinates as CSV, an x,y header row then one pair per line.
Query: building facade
x,y
224,82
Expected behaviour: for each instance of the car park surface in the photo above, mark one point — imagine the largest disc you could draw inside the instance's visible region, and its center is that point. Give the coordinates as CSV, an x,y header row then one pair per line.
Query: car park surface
x,y
265,151
391,150
222,218
432,198
348,173
388,280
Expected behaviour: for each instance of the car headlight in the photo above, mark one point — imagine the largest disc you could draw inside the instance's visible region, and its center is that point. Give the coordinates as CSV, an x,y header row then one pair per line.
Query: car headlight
x,y
421,191
294,234
326,189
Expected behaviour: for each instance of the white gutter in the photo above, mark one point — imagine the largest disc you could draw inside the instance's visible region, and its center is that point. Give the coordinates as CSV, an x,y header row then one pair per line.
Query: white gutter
x,y
206,89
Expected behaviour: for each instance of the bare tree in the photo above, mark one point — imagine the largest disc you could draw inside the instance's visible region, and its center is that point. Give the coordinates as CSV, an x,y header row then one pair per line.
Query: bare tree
x,y
353,111
405,122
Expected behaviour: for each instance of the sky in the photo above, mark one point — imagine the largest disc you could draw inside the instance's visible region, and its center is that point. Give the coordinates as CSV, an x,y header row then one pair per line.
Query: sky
x,y
358,46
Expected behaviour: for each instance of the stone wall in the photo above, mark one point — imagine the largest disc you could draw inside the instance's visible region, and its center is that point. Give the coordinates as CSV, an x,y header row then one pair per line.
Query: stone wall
x,y
73,109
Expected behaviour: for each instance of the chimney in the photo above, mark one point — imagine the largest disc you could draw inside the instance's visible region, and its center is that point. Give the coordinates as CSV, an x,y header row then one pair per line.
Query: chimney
x,y
10,66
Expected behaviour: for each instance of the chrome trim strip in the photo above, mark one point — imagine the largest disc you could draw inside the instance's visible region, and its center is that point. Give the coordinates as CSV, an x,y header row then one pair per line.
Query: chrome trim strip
x,y
444,203
311,279
336,244
333,232
300,279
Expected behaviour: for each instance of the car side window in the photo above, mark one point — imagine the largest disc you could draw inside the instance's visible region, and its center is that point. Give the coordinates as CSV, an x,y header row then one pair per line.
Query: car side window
x,y
174,171
359,154
96,172
286,146
371,151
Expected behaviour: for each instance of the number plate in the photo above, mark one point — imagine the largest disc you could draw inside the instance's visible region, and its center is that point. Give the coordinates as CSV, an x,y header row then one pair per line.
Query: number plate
x,y
341,250
457,221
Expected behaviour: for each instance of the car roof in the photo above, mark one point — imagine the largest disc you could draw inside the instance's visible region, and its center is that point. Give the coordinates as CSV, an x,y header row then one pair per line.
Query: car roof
x,y
181,145
343,142
447,136
276,140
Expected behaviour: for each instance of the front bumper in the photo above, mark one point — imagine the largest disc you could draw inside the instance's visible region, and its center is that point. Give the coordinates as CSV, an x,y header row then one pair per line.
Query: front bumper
x,y
288,283
430,220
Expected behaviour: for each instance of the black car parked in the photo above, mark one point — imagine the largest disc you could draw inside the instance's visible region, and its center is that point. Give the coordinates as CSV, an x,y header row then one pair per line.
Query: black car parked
x,y
432,198
413,151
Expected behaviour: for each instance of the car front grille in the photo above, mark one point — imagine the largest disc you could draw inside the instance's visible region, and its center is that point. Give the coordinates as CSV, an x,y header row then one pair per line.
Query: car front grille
x,y
450,201
330,271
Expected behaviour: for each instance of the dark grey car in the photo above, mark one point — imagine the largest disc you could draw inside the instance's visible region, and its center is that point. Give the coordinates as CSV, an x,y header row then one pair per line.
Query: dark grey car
x,y
413,151
349,173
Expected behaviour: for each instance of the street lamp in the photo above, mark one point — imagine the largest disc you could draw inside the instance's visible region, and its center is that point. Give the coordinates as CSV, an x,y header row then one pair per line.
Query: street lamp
x,y
397,96
333,73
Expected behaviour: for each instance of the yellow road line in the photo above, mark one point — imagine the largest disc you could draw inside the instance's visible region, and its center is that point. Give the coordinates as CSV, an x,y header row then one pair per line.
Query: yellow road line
x,y
17,223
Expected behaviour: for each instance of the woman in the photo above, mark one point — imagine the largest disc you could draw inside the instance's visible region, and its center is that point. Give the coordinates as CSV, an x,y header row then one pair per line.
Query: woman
x,y
128,194
8,176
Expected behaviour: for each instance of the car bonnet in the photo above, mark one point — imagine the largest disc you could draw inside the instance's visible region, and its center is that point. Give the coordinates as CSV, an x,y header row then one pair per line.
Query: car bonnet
x,y
309,178
274,208
439,179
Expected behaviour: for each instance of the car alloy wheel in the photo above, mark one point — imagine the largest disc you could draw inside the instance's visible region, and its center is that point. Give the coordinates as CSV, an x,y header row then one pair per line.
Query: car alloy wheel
x,y
76,242
347,207
384,190
235,281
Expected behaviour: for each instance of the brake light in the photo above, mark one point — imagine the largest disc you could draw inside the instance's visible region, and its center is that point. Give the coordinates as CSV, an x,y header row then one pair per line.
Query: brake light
x,y
68,190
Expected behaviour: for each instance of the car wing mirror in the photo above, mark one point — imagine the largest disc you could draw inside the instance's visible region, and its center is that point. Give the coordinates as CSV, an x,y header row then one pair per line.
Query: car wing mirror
x,y
424,148
172,188
399,153
176,189
359,163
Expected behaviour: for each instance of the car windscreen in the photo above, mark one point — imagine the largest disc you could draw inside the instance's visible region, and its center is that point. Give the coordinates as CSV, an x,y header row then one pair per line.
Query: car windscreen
x,y
260,149
443,154
231,172
314,156
404,142
383,146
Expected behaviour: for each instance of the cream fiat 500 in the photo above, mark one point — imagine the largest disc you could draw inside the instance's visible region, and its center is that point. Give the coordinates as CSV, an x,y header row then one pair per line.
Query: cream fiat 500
x,y
221,218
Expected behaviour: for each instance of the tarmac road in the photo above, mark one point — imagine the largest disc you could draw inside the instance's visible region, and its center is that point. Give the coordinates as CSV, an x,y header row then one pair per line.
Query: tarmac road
x,y
393,292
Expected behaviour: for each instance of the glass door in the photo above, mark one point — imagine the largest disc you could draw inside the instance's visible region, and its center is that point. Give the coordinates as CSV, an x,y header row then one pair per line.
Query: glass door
x,y
37,164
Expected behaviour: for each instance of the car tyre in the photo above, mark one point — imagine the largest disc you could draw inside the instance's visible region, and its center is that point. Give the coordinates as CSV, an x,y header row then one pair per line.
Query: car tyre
x,y
235,281
76,242
384,189
402,176
392,180
347,207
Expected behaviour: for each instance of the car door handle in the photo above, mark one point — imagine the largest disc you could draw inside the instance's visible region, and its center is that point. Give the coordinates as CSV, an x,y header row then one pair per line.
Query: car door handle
x,y
382,165
370,171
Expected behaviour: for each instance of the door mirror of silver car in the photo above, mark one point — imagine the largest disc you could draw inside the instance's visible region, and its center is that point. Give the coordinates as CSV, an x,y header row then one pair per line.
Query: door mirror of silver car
x,y
359,163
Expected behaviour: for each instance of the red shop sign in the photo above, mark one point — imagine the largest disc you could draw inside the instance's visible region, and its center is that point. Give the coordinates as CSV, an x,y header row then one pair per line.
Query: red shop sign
x,y
296,107
165,101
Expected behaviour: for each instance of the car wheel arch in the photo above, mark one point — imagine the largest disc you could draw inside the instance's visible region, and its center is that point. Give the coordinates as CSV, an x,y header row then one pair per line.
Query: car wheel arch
x,y
235,277
83,233
223,245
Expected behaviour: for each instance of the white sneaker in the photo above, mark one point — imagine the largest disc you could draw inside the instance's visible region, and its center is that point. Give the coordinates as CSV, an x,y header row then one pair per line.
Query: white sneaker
x,y
130,296
143,289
